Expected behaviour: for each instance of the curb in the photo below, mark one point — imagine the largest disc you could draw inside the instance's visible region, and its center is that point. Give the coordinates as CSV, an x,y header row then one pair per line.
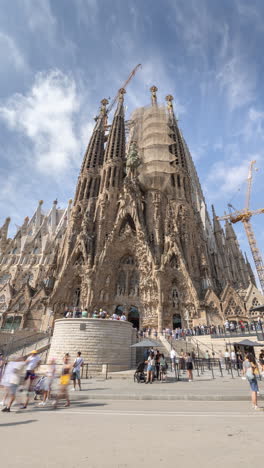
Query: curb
x,y
131,396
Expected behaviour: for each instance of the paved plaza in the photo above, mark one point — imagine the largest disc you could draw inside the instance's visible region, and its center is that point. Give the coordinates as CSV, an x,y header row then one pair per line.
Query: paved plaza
x,y
128,434
118,423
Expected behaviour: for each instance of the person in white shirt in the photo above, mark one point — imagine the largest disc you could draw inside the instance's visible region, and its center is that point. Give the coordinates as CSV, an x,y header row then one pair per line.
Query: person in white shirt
x,y
233,358
123,317
50,375
11,380
32,363
76,370
173,358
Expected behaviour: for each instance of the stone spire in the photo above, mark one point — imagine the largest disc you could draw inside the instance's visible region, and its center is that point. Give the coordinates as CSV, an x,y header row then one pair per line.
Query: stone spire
x,y
116,148
3,233
89,179
177,148
216,222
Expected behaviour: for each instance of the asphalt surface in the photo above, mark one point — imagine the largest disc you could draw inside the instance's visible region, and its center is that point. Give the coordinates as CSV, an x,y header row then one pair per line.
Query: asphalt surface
x,y
124,434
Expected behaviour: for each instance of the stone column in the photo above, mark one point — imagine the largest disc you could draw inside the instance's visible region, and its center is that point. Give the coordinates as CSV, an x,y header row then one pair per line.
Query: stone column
x,y
159,275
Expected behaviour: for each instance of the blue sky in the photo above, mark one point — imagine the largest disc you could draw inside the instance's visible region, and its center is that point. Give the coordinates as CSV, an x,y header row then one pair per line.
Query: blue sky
x,y
60,58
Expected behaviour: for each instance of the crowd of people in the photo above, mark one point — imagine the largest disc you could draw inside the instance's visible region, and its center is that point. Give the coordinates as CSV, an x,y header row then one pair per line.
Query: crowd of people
x,y
157,365
180,333
97,314
20,380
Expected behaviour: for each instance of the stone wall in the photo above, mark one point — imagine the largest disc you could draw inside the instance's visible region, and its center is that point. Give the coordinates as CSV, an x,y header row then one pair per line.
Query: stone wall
x,y
100,342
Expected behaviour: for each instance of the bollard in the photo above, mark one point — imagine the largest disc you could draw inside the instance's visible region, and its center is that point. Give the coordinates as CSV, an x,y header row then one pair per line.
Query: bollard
x,y
231,369
212,369
220,368
104,370
197,367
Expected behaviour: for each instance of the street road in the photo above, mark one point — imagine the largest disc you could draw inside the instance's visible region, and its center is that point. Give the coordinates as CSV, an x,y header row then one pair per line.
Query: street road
x,y
122,434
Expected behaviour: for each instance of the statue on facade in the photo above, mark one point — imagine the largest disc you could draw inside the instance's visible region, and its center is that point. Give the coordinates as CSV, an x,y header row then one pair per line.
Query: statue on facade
x,y
132,160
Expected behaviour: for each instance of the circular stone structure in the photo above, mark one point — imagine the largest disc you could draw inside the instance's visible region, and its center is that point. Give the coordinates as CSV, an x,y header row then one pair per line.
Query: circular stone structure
x,y
101,341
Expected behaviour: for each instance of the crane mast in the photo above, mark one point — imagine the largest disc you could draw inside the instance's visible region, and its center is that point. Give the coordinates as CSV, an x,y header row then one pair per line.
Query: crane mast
x,y
244,216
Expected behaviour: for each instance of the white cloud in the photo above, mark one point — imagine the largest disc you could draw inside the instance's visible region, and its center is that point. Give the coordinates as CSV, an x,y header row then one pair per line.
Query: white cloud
x,y
225,178
238,81
10,53
46,116
39,15
254,126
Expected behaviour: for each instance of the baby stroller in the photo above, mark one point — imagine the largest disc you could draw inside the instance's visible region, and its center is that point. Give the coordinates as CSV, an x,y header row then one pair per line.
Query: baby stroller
x,y
39,387
140,375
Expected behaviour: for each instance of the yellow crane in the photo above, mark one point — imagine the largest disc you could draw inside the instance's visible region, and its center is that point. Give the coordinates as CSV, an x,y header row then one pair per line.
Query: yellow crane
x,y
134,71
244,216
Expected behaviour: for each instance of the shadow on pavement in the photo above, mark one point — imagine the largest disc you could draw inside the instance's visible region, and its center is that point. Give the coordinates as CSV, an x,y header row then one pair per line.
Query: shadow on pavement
x,y
18,423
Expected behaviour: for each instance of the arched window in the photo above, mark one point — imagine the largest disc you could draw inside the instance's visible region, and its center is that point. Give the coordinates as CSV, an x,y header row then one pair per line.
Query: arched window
x,y
121,283
174,261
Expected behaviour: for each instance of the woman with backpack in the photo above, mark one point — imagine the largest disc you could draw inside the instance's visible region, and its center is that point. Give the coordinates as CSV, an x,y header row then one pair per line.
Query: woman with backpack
x,y
150,368
250,370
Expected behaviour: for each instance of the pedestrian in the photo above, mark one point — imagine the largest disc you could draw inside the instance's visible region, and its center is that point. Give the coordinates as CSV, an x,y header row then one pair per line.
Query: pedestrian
x,y
157,365
250,370
76,370
64,382
233,359
182,361
261,360
163,368
32,362
2,365
227,358
150,367
173,359
189,367
11,381
50,375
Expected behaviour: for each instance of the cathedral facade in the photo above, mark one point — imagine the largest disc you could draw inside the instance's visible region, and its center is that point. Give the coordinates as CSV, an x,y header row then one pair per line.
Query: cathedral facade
x,y
137,238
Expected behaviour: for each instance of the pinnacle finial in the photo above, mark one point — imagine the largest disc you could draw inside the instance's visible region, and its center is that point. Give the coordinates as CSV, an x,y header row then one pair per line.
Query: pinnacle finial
x,y
121,93
104,103
169,98
41,202
154,90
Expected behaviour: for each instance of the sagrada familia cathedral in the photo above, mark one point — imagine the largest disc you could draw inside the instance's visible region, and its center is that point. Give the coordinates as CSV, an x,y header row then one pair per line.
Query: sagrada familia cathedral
x,y
136,239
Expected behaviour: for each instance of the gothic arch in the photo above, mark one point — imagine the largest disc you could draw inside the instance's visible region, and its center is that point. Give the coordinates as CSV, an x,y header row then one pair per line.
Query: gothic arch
x,y
127,222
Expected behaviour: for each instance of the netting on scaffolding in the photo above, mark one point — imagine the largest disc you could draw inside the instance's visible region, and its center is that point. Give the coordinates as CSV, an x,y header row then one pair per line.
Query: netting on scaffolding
x,y
151,132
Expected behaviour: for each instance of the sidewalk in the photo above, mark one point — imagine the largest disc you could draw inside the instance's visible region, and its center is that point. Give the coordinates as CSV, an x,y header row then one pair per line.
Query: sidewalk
x,y
203,388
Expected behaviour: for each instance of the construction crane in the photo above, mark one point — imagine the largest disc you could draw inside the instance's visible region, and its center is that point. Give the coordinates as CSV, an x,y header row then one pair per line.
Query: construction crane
x,y
244,216
134,71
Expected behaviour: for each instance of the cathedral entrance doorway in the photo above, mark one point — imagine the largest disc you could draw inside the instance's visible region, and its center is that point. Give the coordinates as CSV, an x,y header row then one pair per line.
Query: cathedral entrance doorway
x,y
133,317
176,321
